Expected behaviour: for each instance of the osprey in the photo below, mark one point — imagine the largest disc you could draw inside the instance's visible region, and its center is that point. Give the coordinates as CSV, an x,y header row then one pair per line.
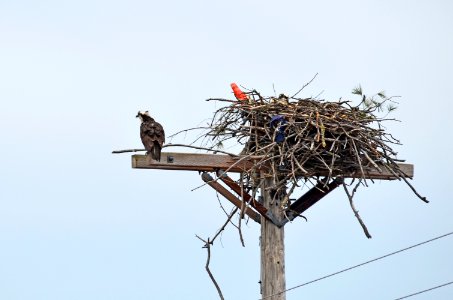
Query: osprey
x,y
152,135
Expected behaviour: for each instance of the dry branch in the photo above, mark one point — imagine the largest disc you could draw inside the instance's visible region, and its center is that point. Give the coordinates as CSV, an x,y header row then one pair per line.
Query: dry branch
x,y
177,145
207,245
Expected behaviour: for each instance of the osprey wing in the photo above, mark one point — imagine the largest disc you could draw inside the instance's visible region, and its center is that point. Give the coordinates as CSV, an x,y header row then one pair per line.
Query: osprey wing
x,y
160,133
152,132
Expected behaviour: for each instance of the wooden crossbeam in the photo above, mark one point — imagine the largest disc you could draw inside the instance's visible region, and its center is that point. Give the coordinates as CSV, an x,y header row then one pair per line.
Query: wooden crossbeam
x,y
214,162
192,162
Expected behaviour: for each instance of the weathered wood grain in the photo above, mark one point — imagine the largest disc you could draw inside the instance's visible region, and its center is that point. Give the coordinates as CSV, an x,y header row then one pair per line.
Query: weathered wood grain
x,y
213,162
272,249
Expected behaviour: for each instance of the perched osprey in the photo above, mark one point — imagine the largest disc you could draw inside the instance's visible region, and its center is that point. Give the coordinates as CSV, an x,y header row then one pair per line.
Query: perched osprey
x,y
152,135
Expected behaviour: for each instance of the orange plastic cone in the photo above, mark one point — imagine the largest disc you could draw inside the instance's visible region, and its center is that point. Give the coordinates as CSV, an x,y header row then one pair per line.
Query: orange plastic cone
x,y
240,95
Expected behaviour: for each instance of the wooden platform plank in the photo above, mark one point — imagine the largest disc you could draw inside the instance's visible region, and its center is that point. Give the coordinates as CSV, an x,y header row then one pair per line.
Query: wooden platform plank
x,y
214,162
191,162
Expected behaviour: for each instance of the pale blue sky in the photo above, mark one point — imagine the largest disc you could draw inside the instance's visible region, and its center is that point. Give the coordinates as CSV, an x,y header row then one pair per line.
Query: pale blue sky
x,y
78,223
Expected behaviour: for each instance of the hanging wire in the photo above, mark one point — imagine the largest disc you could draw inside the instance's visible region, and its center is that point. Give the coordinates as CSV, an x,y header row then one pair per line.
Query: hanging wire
x,y
359,265
424,291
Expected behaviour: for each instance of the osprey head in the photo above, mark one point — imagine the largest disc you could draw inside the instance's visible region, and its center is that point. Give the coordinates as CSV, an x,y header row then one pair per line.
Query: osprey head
x,y
143,115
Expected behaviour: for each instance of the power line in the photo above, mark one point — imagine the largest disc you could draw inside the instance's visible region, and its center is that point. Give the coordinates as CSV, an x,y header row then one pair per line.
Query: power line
x,y
359,265
424,291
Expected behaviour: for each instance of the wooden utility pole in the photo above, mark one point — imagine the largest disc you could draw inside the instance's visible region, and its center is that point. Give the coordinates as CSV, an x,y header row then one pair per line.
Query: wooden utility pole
x,y
272,248
268,213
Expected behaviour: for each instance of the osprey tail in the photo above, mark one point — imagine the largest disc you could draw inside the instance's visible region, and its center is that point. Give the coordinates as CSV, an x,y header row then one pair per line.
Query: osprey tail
x,y
155,153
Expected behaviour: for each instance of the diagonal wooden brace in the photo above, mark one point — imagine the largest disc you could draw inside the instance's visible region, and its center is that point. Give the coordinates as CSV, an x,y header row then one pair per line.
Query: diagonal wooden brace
x,y
247,198
229,196
311,197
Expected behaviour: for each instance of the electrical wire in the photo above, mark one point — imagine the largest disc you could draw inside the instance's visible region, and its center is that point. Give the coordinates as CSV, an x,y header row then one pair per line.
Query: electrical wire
x,y
356,266
424,291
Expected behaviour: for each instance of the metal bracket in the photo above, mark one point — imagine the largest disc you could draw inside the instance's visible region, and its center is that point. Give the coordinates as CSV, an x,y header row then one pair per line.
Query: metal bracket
x,y
272,218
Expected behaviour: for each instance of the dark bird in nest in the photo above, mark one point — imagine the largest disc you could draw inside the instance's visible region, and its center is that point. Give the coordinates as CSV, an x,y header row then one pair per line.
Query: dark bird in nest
x,y
152,135
279,123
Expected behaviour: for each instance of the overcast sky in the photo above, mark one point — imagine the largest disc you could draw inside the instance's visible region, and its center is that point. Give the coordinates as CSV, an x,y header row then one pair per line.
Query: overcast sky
x,y
76,222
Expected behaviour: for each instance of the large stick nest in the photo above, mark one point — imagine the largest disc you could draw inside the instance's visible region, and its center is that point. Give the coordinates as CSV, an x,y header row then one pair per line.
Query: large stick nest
x,y
300,140
303,138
